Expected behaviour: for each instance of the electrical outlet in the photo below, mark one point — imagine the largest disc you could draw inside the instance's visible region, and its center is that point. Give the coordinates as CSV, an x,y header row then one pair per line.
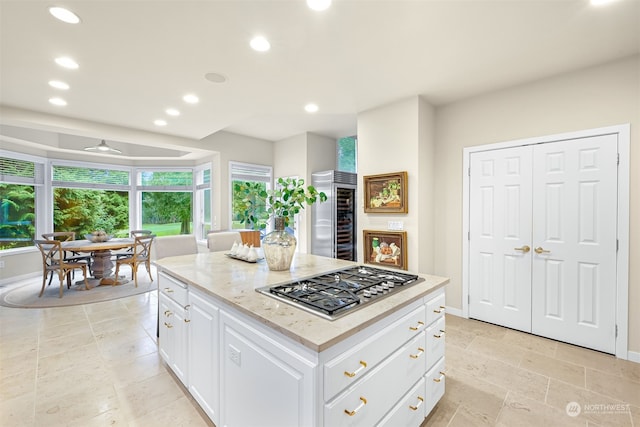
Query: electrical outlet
x,y
234,355
2,264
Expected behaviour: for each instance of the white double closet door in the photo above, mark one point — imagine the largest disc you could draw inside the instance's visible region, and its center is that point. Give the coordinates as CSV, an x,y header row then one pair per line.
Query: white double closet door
x,y
543,239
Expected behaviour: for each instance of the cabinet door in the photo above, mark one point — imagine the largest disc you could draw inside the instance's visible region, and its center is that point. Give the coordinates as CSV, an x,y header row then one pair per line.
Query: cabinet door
x,y
165,339
180,362
263,383
204,383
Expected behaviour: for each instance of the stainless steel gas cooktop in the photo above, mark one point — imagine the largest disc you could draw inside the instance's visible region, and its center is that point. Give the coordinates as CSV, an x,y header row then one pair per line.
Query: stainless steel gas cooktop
x,y
337,293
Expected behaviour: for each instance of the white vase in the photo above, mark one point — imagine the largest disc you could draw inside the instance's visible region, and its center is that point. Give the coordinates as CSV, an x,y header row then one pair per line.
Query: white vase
x,y
279,247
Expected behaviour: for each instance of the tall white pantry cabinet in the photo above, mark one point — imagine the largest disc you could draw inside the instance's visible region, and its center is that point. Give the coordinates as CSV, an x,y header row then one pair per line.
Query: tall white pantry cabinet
x,y
242,372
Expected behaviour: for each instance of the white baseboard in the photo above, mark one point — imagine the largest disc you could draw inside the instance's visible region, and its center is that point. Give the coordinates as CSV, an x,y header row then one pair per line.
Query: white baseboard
x,y
633,356
454,311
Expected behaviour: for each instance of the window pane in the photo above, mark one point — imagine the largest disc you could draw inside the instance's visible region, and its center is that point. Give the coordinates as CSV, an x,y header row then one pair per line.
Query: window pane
x,y
165,178
17,216
347,154
167,213
90,175
245,204
84,211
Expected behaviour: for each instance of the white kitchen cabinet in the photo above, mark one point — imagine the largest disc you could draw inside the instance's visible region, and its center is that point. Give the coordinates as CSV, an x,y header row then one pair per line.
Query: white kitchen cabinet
x,y
204,351
410,411
173,322
264,382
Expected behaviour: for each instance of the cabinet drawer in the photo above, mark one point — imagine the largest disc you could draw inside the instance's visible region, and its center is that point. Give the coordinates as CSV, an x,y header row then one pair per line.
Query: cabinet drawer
x,y
173,288
435,306
371,398
409,411
352,365
435,342
435,380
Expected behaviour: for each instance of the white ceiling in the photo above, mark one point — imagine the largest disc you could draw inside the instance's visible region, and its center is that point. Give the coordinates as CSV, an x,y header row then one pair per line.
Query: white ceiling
x,y
138,58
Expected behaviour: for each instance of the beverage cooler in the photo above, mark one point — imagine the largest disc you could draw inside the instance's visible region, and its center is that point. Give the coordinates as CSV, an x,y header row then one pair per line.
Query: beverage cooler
x,y
333,229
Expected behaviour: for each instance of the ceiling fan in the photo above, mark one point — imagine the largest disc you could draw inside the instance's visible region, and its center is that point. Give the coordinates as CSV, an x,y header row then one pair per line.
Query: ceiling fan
x,y
103,148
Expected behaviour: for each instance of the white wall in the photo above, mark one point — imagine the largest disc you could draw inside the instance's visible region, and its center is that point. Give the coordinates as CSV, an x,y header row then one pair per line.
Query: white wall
x,y
394,138
591,98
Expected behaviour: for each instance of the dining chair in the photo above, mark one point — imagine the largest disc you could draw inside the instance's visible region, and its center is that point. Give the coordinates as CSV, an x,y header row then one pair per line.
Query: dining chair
x,y
53,261
126,253
69,256
141,255
223,240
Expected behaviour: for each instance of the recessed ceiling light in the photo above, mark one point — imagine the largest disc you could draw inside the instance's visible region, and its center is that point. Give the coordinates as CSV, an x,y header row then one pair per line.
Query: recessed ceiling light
x,y
65,15
172,112
311,108
66,62
58,84
260,44
215,77
191,99
160,122
58,101
319,4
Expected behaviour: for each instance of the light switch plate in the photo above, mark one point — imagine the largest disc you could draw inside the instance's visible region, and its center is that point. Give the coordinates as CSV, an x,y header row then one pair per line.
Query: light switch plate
x,y
395,225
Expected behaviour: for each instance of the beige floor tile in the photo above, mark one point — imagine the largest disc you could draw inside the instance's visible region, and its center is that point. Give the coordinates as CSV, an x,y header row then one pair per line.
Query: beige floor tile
x,y
554,368
635,415
441,414
83,356
529,384
478,328
18,362
629,370
530,342
470,363
111,418
497,349
614,386
594,407
128,350
478,396
469,417
180,412
459,337
18,411
143,397
20,383
588,358
83,378
522,412
18,347
104,328
49,347
136,370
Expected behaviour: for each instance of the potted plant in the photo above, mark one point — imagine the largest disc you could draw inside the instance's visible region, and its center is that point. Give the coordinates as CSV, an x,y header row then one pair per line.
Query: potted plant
x,y
288,198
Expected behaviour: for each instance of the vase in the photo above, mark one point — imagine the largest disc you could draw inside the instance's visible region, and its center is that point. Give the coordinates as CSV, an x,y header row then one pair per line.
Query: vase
x,y
279,246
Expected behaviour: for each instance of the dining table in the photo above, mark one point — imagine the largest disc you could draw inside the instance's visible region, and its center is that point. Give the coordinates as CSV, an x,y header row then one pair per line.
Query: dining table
x,y
101,256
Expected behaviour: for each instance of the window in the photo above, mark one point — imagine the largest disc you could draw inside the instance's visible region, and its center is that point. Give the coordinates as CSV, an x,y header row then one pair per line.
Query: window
x,y
20,181
347,154
166,201
203,201
245,179
87,199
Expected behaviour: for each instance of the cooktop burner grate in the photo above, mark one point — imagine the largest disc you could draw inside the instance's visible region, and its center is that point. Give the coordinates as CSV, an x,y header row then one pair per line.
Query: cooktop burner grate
x,y
337,293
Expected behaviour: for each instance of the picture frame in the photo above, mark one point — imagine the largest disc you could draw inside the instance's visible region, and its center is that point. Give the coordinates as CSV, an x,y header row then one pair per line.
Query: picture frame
x,y
386,248
386,193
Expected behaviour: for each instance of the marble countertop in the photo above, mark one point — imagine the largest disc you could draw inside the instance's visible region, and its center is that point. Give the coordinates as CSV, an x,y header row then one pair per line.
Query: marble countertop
x,y
234,282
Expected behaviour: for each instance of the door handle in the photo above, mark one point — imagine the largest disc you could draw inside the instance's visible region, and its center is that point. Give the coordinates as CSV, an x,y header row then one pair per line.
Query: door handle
x,y
539,250
524,249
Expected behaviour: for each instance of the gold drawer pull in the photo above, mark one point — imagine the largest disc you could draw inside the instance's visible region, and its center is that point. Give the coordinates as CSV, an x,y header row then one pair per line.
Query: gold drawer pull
x,y
415,328
363,365
441,377
415,356
168,290
439,336
166,312
363,402
415,408
442,307
168,325
187,320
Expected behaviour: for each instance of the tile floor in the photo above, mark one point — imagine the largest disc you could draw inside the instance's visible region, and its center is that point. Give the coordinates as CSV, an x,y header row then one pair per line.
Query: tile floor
x,y
98,365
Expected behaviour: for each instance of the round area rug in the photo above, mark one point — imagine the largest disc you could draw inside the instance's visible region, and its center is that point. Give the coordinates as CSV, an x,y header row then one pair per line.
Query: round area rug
x,y
26,296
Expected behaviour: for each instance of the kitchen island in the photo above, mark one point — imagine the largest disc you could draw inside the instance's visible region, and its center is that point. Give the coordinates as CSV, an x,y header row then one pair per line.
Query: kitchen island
x,y
249,359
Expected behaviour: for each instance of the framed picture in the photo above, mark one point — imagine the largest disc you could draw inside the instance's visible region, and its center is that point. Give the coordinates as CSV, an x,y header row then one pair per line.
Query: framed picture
x,y
386,248
386,193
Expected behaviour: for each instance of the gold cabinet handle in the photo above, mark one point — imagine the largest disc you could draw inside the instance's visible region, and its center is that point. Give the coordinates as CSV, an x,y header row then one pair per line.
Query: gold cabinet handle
x,y
415,328
168,290
440,335
415,356
437,380
186,307
415,407
363,402
524,249
442,307
167,312
540,250
168,325
363,365
187,320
